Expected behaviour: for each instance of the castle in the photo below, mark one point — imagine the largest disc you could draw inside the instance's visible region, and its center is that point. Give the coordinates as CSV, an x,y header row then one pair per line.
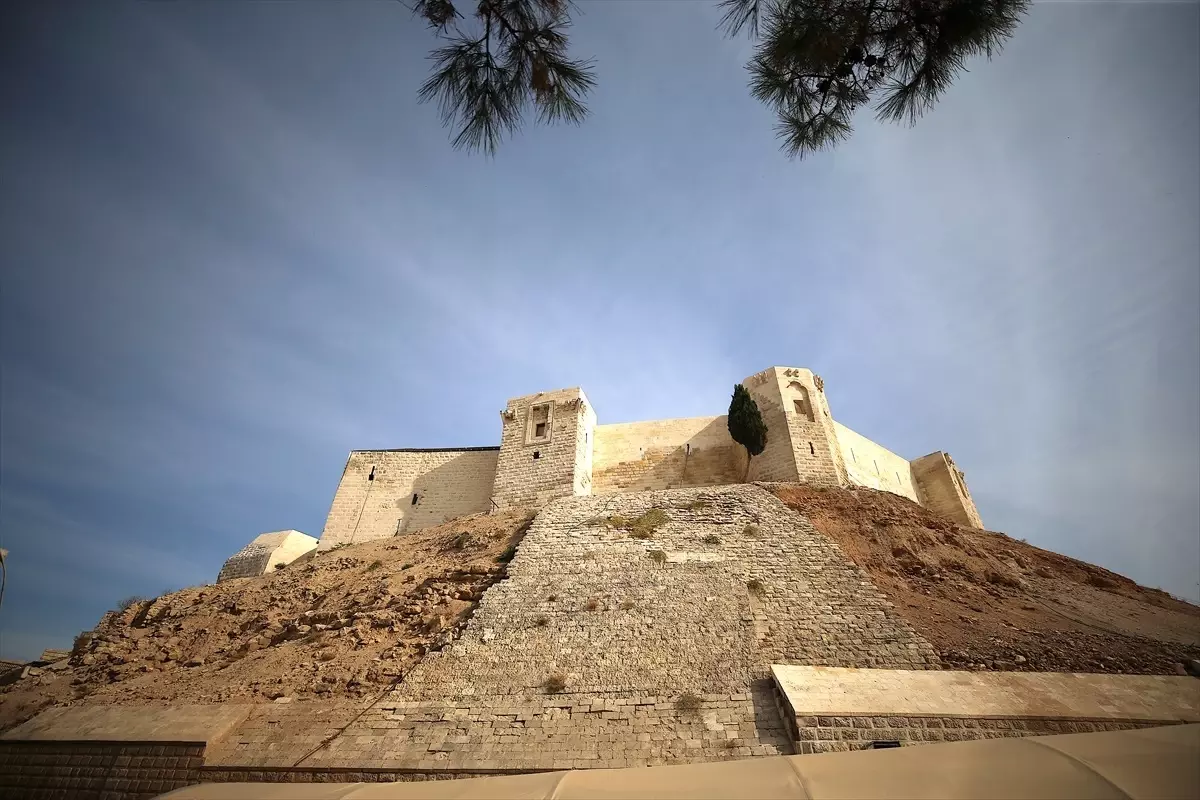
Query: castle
x,y
551,446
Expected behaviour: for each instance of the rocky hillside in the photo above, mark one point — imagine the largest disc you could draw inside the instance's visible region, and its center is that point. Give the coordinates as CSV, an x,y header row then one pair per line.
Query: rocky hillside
x,y
355,620
988,601
345,624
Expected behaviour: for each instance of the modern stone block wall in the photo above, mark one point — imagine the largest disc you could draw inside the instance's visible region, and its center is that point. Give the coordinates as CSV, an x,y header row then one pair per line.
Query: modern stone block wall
x,y
389,492
857,732
666,454
830,709
96,770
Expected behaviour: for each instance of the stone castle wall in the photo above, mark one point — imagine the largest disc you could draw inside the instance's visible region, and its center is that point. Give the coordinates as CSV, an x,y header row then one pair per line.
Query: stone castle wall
x,y
551,446
265,552
544,442
874,466
387,492
666,454
942,488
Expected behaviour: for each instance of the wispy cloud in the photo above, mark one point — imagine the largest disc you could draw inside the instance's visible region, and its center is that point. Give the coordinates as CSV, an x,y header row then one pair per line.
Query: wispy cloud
x,y
239,249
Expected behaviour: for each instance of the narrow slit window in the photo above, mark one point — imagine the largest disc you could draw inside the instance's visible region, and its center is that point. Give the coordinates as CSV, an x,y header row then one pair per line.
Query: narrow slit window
x,y
812,451
416,497
537,454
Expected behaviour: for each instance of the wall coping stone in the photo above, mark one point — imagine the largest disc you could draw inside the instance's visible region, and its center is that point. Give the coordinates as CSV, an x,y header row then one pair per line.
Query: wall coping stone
x,y
132,724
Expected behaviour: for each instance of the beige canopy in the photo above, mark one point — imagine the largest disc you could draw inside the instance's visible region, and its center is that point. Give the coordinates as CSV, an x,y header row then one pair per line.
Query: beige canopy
x,y
1146,763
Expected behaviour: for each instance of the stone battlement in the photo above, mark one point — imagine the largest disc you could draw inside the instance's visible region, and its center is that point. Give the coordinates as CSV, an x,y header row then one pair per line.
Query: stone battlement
x,y
552,446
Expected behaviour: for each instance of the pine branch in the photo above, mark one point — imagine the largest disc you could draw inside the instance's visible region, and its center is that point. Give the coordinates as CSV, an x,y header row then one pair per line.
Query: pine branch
x,y
484,84
816,62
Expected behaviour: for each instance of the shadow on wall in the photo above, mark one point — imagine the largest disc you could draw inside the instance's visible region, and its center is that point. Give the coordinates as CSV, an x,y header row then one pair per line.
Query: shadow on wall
x,y
707,457
460,486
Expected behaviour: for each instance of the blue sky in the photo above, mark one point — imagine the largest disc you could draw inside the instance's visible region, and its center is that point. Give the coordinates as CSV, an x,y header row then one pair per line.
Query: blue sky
x,y
234,248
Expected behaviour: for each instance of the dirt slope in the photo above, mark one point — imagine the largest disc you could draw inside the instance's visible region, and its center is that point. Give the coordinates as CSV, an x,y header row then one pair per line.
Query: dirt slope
x,y
987,601
345,624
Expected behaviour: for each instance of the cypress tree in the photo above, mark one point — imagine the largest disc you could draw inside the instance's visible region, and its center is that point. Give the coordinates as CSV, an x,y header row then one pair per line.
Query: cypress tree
x,y
746,424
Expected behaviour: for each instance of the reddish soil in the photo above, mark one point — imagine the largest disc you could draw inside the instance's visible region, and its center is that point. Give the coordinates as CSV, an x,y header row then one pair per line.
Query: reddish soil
x,y
987,601
346,624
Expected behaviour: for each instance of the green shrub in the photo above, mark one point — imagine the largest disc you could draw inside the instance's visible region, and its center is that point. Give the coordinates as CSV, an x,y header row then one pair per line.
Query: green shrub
x,y
644,526
374,565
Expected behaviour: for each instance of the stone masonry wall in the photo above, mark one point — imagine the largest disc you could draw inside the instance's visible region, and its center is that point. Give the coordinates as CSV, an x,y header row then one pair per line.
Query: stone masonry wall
x,y
445,483
96,770
532,469
834,734
666,454
694,615
874,466
267,550
778,461
801,443
942,488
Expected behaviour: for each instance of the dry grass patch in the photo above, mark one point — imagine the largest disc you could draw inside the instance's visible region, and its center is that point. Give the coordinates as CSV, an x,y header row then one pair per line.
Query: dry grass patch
x,y
555,683
755,587
640,527
688,702
657,556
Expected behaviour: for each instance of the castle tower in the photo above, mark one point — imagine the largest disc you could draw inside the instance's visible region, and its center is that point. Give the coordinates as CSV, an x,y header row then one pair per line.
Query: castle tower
x,y
802,444
942,487
545,448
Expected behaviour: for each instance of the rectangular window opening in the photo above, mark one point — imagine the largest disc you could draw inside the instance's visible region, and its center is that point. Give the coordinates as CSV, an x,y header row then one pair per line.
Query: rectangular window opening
x,y
539,423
